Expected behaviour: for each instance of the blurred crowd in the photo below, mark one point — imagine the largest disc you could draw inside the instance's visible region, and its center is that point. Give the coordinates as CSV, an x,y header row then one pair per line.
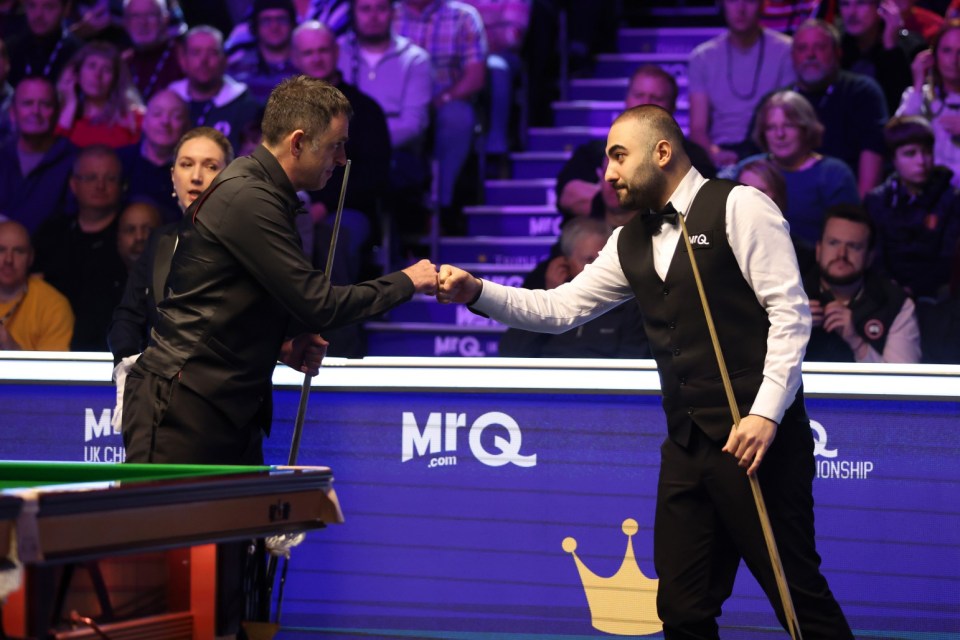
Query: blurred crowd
x,y
116,114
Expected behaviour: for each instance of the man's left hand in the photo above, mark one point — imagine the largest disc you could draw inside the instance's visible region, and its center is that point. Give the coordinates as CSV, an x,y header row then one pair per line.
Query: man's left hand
x,y
304,353
751,440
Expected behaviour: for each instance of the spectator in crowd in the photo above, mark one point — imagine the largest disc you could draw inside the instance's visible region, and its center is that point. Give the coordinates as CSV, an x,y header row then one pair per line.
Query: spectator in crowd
x,y
6,96
315,54
858,314
505,23
453,35
152,59
728,76
875,44
920,19
764,176
33,315
580,179
147,165
935,95
216,99
335,14
36,164
136,223
200,155
916,212
397,74
616,334
78,254
391,69
44,48
263,62
787,130
849,105
99,104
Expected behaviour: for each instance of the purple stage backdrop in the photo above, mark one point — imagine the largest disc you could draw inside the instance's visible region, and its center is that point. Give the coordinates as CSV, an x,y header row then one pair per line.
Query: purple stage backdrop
x,y
458,502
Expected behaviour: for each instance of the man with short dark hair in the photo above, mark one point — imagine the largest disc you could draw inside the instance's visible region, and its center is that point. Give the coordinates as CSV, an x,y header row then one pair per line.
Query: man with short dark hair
x,y
706,519
858,315
35,165
77,254
216,99
264,62
315,54
239,286
136,223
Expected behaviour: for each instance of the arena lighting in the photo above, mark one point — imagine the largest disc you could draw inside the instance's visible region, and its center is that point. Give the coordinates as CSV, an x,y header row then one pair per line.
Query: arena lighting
x,y
517,374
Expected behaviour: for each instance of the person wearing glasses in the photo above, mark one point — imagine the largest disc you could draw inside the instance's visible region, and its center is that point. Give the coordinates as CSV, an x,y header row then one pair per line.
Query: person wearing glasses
x,y
77,254
153,57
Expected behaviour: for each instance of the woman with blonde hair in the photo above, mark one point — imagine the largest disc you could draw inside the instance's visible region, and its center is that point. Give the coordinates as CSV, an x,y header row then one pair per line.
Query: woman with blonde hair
x,y
788,131
99,104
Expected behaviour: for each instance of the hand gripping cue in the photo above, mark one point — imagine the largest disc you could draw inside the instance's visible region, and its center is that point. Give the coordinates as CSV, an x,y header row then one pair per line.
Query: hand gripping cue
x,y
305,388
793,624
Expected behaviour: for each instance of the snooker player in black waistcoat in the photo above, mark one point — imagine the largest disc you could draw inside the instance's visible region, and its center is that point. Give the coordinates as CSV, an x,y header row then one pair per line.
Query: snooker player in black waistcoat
x,y
706,520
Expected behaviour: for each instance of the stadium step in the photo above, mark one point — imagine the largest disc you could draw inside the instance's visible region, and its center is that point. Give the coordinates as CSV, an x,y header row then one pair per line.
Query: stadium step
x,y
537,164
664,39
513,220
563,138
613,89
521,192
495,250
622,65
601,113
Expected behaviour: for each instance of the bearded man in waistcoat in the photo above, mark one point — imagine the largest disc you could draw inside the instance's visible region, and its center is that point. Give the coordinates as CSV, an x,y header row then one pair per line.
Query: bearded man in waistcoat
x,y
706,520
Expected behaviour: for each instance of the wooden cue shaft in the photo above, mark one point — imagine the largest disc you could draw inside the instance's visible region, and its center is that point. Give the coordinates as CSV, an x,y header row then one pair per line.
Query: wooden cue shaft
x,y
793,623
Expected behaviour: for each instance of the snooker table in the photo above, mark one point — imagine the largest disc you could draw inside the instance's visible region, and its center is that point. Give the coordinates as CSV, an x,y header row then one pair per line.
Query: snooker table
x,y
54,513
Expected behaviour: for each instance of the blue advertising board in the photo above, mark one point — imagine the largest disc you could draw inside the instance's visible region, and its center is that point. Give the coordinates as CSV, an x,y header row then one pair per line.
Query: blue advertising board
x,y
501,499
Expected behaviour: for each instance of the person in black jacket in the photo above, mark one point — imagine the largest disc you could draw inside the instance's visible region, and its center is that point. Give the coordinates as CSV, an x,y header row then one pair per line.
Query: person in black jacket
x,y
240,286
858,315
200,155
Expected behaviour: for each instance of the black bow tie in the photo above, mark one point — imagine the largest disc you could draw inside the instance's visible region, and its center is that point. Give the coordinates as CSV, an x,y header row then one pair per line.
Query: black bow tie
x,y
654,219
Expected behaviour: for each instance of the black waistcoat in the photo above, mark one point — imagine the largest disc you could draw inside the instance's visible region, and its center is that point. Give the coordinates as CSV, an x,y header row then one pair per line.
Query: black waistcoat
x,y
676,326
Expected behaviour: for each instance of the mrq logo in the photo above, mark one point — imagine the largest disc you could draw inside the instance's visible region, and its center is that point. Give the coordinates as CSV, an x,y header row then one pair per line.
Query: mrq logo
x,y
830,465
107,447
439,437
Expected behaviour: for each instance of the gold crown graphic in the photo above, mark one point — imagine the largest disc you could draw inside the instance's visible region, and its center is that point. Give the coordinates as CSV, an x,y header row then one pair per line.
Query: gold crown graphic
x,y
625,604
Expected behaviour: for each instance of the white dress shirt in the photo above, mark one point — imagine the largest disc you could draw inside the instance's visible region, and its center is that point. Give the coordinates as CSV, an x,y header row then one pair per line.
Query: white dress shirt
x,y
760,239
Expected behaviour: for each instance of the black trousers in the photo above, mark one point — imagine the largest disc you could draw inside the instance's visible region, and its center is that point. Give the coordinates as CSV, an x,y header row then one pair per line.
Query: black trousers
x,y
167,423
706,521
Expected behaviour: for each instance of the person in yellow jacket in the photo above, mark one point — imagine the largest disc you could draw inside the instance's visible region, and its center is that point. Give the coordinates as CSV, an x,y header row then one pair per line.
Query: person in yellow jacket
x,y
33,315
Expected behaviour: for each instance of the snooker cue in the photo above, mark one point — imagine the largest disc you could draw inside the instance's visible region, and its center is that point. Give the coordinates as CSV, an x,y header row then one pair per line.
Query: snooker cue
x,y
305,387
793,623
